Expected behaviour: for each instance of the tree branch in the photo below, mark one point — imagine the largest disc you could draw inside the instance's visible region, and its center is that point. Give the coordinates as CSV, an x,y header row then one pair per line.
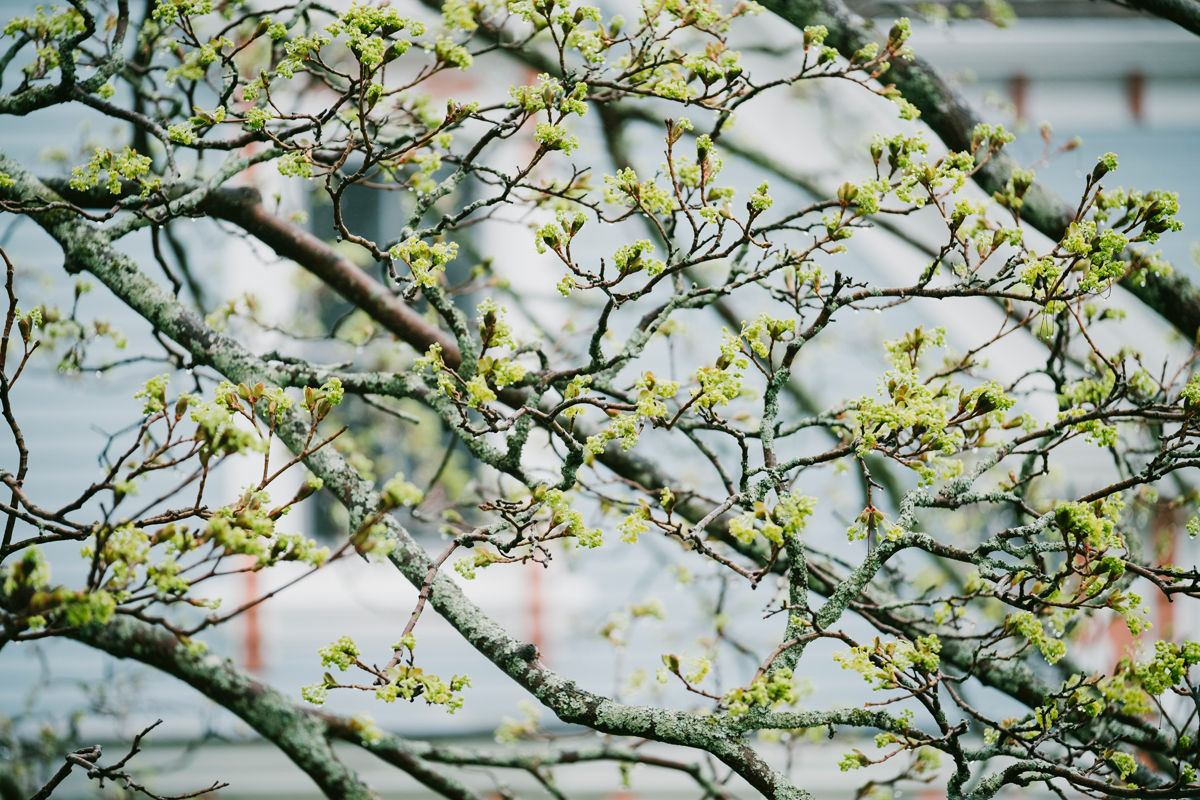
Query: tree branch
x,y
1184,13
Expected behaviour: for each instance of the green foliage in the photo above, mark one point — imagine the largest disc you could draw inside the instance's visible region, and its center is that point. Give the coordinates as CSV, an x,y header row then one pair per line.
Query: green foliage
x,y
341,654
1168,667
127,164
776,525
398,493
479,559
424,260
155,393
768,691
883,664
1027,625
294,165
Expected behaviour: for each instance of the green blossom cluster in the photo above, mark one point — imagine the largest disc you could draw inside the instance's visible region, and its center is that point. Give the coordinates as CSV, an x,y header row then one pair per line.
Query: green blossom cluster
x,y
629,259
1093,524
447,52
1168,667
638,521
1123,690
764,331
558,235
1094,430
626,428
296,164
760,200
360,24
425,260
715,64
59,24
722,382
248,528
908,405
900,149
409,683
114,166
767,691
924,178
576,388
692,669
777,525
341,654
1096,251
461,15
427,163
547,94
883,664
634,525
924,413
197,61
571,520
555,137
625,188
155,393
400,493
1125,764
173,9
1029,626
1191,391
45,31
28,573
257,118
219,433
122,556
480,558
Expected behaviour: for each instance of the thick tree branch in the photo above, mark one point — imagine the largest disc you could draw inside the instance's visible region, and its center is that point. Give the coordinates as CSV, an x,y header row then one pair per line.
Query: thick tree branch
x,y
1184,13
301,736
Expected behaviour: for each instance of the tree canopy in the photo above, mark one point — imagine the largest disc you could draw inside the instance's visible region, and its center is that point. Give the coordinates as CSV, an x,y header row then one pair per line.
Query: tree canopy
x,y
674,353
